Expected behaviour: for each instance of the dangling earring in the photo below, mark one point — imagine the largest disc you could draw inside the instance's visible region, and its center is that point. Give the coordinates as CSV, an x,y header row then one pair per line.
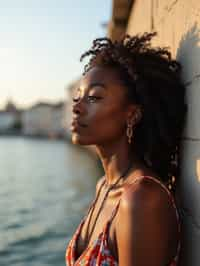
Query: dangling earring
x,y
130,124
129,131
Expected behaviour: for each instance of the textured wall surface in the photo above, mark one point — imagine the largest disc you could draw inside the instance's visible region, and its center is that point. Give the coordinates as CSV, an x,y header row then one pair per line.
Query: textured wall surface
x,y
178,25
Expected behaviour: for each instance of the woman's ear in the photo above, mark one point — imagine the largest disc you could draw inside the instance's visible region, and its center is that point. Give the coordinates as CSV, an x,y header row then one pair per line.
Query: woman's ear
x,y
134,113
130,111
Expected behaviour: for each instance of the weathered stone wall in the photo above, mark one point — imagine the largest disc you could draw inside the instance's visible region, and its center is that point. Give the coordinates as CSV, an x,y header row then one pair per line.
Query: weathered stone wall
x,y
178,25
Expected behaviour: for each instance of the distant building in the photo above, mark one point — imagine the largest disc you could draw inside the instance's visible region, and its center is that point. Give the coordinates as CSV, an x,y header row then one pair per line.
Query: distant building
x,y
43,119
58,120
9,118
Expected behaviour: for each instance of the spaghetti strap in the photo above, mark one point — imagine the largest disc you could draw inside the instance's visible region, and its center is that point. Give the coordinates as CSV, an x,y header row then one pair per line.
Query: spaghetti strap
x,y
94,201
175,259
114,212
98,252
165,188
115,209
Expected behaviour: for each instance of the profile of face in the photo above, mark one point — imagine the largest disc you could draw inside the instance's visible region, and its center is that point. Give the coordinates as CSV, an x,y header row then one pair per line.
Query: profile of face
x,y
100,108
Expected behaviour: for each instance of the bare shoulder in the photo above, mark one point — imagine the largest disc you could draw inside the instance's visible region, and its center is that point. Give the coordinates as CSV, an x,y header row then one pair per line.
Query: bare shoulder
x,y
147,215
144,194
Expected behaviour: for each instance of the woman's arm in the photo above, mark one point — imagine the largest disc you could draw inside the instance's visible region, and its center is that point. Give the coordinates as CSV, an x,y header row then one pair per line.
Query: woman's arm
x,y
146,226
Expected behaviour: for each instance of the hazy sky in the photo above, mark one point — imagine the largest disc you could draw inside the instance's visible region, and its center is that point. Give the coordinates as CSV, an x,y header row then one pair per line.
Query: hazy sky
x,y
40,45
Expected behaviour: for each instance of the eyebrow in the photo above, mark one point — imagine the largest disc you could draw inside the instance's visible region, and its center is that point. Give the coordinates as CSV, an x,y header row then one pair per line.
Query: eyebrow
x,y
96,84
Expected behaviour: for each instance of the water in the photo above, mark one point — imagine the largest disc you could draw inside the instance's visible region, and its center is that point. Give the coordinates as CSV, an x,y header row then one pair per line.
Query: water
x,y
45,187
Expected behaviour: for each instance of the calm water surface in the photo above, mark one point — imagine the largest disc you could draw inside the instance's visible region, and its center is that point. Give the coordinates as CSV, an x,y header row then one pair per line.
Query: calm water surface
x,y
45,188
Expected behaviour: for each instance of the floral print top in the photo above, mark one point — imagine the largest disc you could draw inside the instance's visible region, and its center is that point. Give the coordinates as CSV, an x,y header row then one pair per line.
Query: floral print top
x,y
98,253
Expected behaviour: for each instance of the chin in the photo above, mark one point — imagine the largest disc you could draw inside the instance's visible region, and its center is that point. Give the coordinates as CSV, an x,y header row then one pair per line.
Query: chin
x,y
77,139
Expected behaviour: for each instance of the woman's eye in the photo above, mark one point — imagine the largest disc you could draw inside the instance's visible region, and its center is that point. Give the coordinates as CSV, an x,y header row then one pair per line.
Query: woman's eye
x,y
75,100
93,98
90,99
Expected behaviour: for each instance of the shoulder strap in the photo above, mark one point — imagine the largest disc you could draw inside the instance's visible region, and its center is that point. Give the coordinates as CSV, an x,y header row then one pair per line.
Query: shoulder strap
x,y
95,200
177,214
175,207
114,212
115,209
165,188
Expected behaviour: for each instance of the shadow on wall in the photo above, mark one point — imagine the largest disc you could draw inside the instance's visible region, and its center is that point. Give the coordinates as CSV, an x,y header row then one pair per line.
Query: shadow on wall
x,y
188,54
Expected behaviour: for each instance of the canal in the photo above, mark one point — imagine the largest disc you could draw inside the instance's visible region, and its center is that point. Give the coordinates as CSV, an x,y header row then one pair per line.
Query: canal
x,y
45,188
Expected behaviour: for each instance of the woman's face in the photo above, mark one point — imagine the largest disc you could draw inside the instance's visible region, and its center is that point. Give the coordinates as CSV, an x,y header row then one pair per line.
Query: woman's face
x,y
100,108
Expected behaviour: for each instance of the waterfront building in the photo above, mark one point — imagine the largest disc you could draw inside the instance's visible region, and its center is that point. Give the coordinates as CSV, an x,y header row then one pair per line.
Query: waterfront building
x,y
43,119
9,118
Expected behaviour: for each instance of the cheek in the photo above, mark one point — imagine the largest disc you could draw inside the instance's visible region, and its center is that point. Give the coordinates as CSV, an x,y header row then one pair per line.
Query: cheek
x,y
108,123
104,124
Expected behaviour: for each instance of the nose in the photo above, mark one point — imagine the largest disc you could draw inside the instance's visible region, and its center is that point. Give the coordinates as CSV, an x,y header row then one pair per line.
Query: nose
x,y
77,107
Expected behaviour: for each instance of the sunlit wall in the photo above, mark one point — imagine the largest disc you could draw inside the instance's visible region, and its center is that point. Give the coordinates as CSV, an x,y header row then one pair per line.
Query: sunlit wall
x,y
178,25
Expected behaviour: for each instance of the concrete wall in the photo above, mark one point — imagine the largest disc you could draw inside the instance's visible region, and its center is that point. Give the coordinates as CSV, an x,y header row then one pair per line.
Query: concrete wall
x,y
178,25
119,18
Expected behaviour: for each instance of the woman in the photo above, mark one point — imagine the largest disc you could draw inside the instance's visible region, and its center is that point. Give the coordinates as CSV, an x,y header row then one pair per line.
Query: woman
x,y
130,105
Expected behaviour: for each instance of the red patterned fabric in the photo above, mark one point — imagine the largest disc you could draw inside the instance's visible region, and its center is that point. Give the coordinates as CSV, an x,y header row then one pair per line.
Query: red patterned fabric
x,y
98,253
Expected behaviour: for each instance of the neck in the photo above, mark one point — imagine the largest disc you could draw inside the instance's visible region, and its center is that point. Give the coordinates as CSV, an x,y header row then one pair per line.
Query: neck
x,y
116,158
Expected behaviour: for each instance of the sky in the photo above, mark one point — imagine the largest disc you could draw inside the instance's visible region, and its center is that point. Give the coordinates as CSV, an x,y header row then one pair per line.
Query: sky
x,y
40,45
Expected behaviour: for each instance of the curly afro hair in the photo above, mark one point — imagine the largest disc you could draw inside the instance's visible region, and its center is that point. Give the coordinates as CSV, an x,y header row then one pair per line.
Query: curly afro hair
x,y
153,81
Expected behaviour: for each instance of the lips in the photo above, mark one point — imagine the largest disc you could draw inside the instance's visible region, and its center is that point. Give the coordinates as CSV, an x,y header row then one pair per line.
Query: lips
x,y
76,124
